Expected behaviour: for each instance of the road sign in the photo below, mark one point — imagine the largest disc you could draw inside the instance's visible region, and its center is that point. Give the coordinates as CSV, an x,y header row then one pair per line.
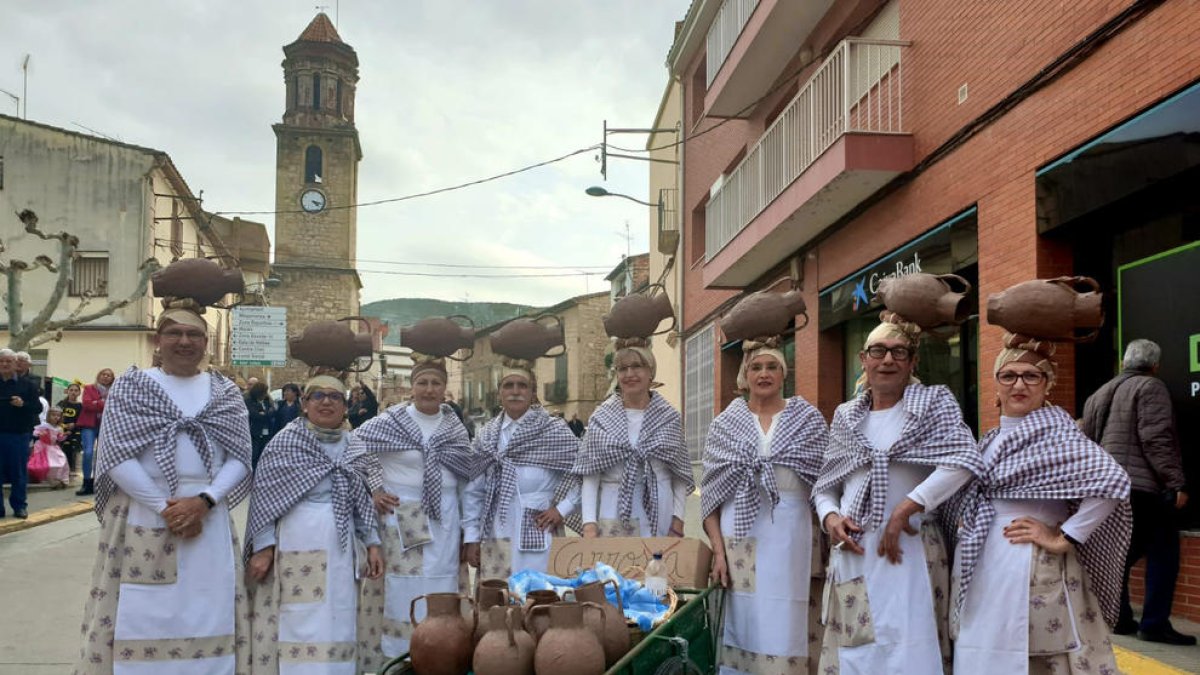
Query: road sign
x,y
259,336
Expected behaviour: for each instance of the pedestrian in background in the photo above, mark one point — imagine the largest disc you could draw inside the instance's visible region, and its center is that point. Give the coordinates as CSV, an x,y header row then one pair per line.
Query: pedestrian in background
x,y
363,407
94,397
47,455
24,368
1131,417
576,426
18,416
288,409
71,407
262,417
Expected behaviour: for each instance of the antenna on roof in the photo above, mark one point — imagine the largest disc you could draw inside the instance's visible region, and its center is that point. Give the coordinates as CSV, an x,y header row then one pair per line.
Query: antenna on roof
x,y
25,86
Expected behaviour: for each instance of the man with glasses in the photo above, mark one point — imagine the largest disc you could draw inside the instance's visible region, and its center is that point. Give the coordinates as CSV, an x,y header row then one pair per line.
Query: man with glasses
x,y
18,415
897,450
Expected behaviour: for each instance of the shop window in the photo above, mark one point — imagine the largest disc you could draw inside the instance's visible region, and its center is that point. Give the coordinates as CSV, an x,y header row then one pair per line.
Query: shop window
x,y
698,390
312,164
89,275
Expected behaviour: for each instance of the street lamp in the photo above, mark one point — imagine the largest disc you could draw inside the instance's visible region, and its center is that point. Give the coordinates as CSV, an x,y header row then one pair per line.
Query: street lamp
x,y
597,191
667,242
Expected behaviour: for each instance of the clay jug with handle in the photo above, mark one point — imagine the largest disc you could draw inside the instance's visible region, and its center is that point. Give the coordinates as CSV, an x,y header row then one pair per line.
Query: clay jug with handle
x,y
441,644
505,649
527,339
534,624
610,626
438,336
764,313
637,315
331,344
490,594
928,300
197,278
1050,309
568,646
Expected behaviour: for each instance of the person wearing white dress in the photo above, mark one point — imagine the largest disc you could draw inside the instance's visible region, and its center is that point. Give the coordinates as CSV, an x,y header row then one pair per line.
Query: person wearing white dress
x,y
898,448
168,592
633,461
761,458
513,510
1037,570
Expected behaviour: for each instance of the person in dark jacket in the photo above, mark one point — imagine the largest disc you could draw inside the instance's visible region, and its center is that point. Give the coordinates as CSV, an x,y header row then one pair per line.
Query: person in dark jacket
x,y
262,418
576,426
288,409
363,407
1131,417
18,415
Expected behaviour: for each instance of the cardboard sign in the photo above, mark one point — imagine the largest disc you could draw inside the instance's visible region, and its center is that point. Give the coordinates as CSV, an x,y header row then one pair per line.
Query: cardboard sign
x,y
688,560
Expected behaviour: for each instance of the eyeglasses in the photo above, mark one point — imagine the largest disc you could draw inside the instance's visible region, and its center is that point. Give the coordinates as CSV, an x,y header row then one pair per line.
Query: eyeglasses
x,y
331,396
175,335
898,353
1031,378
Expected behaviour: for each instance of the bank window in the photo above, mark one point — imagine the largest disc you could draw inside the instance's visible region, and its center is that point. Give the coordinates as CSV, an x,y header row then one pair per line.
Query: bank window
x,y
312,164
89,275
698,390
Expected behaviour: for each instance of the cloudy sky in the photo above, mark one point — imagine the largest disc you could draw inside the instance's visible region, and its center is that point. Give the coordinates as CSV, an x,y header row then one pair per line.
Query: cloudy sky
x,y
450,91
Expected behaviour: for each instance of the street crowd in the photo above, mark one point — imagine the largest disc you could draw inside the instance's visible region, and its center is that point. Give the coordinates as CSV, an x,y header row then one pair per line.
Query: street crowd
x,y
888,541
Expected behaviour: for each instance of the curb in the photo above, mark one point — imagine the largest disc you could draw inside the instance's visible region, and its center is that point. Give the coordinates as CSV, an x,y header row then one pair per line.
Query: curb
x,y
1133,663
9,525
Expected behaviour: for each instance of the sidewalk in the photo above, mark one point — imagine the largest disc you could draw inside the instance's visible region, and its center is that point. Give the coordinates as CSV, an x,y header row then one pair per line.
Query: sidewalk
x,y
1152,658
45,506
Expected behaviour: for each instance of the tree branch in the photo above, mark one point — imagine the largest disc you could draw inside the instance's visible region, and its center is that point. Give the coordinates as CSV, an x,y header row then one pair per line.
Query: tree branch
x,y
150,266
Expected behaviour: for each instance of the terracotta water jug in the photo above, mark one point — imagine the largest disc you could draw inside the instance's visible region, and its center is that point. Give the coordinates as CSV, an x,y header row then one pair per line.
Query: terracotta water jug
x,y
764,313
330,343
438,336
198,278
637,315
568,646
1051,309
536,625
609,627
505,649
928,300
441,644
527,339
490,594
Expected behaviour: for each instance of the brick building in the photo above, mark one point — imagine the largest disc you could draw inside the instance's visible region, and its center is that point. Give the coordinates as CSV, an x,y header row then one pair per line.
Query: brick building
x,y
841,141
316,184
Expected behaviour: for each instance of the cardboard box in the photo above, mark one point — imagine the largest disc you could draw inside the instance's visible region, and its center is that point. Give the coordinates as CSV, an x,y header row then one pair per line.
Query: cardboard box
x,y
688,560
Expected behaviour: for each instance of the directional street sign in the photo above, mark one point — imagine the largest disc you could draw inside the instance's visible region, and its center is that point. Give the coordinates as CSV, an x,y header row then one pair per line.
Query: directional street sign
x,y
259,336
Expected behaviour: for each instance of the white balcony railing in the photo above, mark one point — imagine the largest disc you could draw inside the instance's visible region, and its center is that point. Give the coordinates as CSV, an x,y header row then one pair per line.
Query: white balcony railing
x,y
858,88
724,31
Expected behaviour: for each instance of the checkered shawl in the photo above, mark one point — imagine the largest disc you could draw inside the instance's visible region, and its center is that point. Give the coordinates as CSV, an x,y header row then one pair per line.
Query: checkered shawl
x,y
537,440
394,430
291,465
606,444
1048,457
733,467
934,435
140,416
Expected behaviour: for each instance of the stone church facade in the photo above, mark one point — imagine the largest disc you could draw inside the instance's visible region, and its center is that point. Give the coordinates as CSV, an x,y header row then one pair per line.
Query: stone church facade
x,y
316,185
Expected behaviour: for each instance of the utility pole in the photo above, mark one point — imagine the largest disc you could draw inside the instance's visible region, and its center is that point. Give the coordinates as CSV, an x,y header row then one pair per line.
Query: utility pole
x,y
25,87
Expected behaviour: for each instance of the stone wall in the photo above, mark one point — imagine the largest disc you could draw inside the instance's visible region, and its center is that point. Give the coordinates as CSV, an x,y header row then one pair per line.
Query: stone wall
x,y
311,294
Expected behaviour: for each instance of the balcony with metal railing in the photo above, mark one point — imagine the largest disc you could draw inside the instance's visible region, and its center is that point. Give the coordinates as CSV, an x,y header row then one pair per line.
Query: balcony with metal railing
x,y
838,141
724,32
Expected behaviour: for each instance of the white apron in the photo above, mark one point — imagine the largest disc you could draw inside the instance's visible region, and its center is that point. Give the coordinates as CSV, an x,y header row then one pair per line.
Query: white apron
x,y
412,572
196,612
317,612
640,526
502,557
767,608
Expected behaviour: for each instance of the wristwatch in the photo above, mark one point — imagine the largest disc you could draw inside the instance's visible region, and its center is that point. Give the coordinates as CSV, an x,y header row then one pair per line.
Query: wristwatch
x,y
212,503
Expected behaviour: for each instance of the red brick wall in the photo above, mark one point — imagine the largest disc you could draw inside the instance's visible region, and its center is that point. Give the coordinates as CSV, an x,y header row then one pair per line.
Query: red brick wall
x,y
1187,589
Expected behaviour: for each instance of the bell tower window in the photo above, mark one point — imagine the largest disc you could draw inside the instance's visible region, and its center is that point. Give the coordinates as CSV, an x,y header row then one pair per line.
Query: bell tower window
x,y
339,97
316,91
312,164
296,93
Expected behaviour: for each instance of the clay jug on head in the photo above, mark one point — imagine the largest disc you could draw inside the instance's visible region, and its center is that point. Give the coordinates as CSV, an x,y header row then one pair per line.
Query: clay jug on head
x,y
489,595
527,339
438,336
927,300
763,313
610,626
637,315
441,644
330,343
569,646
198,278
537,624
505,649
1051,309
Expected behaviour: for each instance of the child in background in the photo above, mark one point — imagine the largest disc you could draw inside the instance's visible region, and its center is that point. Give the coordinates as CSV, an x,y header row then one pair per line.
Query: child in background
x,y
71,407
48,462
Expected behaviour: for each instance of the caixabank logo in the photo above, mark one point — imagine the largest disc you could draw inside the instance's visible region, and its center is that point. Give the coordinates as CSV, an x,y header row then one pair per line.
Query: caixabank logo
x,y
1194,362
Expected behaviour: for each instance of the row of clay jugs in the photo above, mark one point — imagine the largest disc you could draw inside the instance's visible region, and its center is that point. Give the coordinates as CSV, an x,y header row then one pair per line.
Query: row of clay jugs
x,y
505,649
609,626
568,646
442,643
534,623
491,593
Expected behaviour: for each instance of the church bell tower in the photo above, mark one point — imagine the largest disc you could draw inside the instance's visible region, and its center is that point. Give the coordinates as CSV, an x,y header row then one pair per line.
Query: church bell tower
x,y
316,183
